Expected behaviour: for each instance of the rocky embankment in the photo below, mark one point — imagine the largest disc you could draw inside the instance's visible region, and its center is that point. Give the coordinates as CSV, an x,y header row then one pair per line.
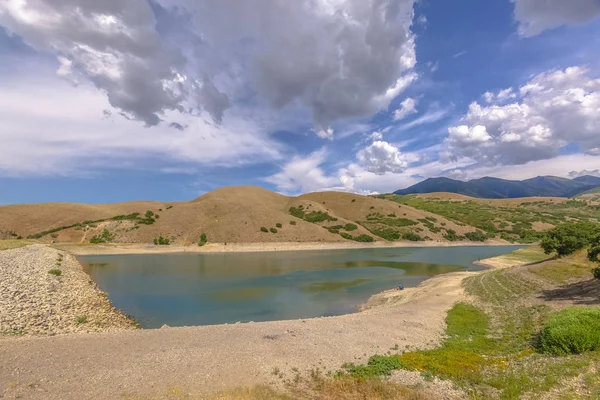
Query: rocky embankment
x,y
44,291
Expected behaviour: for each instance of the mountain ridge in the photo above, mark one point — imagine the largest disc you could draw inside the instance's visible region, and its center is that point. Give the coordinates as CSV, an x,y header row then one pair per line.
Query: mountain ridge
x,y
497,188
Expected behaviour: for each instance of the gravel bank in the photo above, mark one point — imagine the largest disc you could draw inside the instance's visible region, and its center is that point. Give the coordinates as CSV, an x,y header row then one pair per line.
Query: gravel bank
x,y
35,302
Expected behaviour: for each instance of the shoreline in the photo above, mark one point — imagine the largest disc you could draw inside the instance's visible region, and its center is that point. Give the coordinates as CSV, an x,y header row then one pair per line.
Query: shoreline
x,y
147,362
212,248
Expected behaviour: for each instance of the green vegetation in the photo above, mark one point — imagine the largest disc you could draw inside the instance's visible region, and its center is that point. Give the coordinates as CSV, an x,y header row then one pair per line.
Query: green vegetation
x,y
350,227
573,330
313,216
55,272
168,207
263,229
490,350
104,237
162,241
413,237
292,222
567,238
92,223
512,222
203,240
273,230
476,236
278,225
81,319
13,244
360,238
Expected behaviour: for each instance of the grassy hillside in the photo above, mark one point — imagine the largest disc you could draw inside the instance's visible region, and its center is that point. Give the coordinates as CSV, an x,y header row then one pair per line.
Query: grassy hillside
x,y
514,220
231,214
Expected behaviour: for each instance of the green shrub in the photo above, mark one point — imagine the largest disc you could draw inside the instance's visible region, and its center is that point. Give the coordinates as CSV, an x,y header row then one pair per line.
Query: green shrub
x,y
162,241
203,240
104,237
263,229
413,237
346,236
292,222
476,236
364,238
573,330
278,225
596,272
55,272
169,207
318,216
81,319
273,230
451,235
297,212
353,200
350,227
149,214
567,238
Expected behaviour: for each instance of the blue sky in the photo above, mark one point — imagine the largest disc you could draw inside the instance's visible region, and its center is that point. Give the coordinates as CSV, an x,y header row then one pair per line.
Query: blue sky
x,y
168,99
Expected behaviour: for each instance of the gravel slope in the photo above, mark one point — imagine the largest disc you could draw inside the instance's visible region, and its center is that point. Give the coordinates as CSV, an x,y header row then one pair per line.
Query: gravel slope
x,y
35,302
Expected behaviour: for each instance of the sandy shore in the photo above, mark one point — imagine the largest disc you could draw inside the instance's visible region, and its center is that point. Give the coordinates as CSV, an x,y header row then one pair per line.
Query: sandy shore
x,y
138,248
150,364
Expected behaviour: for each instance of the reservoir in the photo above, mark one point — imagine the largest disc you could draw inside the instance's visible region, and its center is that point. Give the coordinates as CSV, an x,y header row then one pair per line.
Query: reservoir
x,y
183,289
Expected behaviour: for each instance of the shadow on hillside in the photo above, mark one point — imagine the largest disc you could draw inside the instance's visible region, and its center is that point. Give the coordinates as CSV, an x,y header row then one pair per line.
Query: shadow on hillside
x,y
584,293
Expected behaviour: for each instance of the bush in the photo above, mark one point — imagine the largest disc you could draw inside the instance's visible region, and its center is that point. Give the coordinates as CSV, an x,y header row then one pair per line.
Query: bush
x,y
350,227
149,214
203,240
413,237
346,236
476,236
273,230
263,229
104,237
55,272
292,222
573,330
353,200
162,241
567,238
278,225
318,216
364,238
596,272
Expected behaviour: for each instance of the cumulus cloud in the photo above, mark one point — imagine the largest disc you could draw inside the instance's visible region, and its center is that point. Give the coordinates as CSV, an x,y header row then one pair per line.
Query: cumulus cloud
x,y
553,109
303,174
50,127
343,58
381,157
339,59
536,16
407,107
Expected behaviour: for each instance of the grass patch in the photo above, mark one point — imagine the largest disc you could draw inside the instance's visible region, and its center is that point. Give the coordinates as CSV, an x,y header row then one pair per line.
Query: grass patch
x,y
563,270
81,319
55,272
573,330
13,244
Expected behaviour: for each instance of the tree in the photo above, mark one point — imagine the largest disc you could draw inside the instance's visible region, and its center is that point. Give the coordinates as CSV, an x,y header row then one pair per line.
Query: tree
x,y
594,253
567,238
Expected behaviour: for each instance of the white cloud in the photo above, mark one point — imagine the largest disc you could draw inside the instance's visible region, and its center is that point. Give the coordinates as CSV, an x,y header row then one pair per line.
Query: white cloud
x,y
407,107
339,59
50,127
553,109
303,174
536,16
429,117
376,136
381,157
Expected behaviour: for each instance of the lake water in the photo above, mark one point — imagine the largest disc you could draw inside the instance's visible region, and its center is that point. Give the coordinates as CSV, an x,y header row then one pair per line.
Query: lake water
x,y
180,289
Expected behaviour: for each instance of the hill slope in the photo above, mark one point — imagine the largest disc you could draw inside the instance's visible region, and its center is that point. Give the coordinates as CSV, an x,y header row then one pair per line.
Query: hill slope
x,y
495,188
231,214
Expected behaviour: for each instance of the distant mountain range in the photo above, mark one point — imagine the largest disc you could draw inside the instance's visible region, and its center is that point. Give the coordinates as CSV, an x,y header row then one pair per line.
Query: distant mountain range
x,y
495,188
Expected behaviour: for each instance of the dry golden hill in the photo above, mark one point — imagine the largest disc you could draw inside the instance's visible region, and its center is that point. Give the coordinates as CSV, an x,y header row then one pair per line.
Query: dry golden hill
x,y
230,214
